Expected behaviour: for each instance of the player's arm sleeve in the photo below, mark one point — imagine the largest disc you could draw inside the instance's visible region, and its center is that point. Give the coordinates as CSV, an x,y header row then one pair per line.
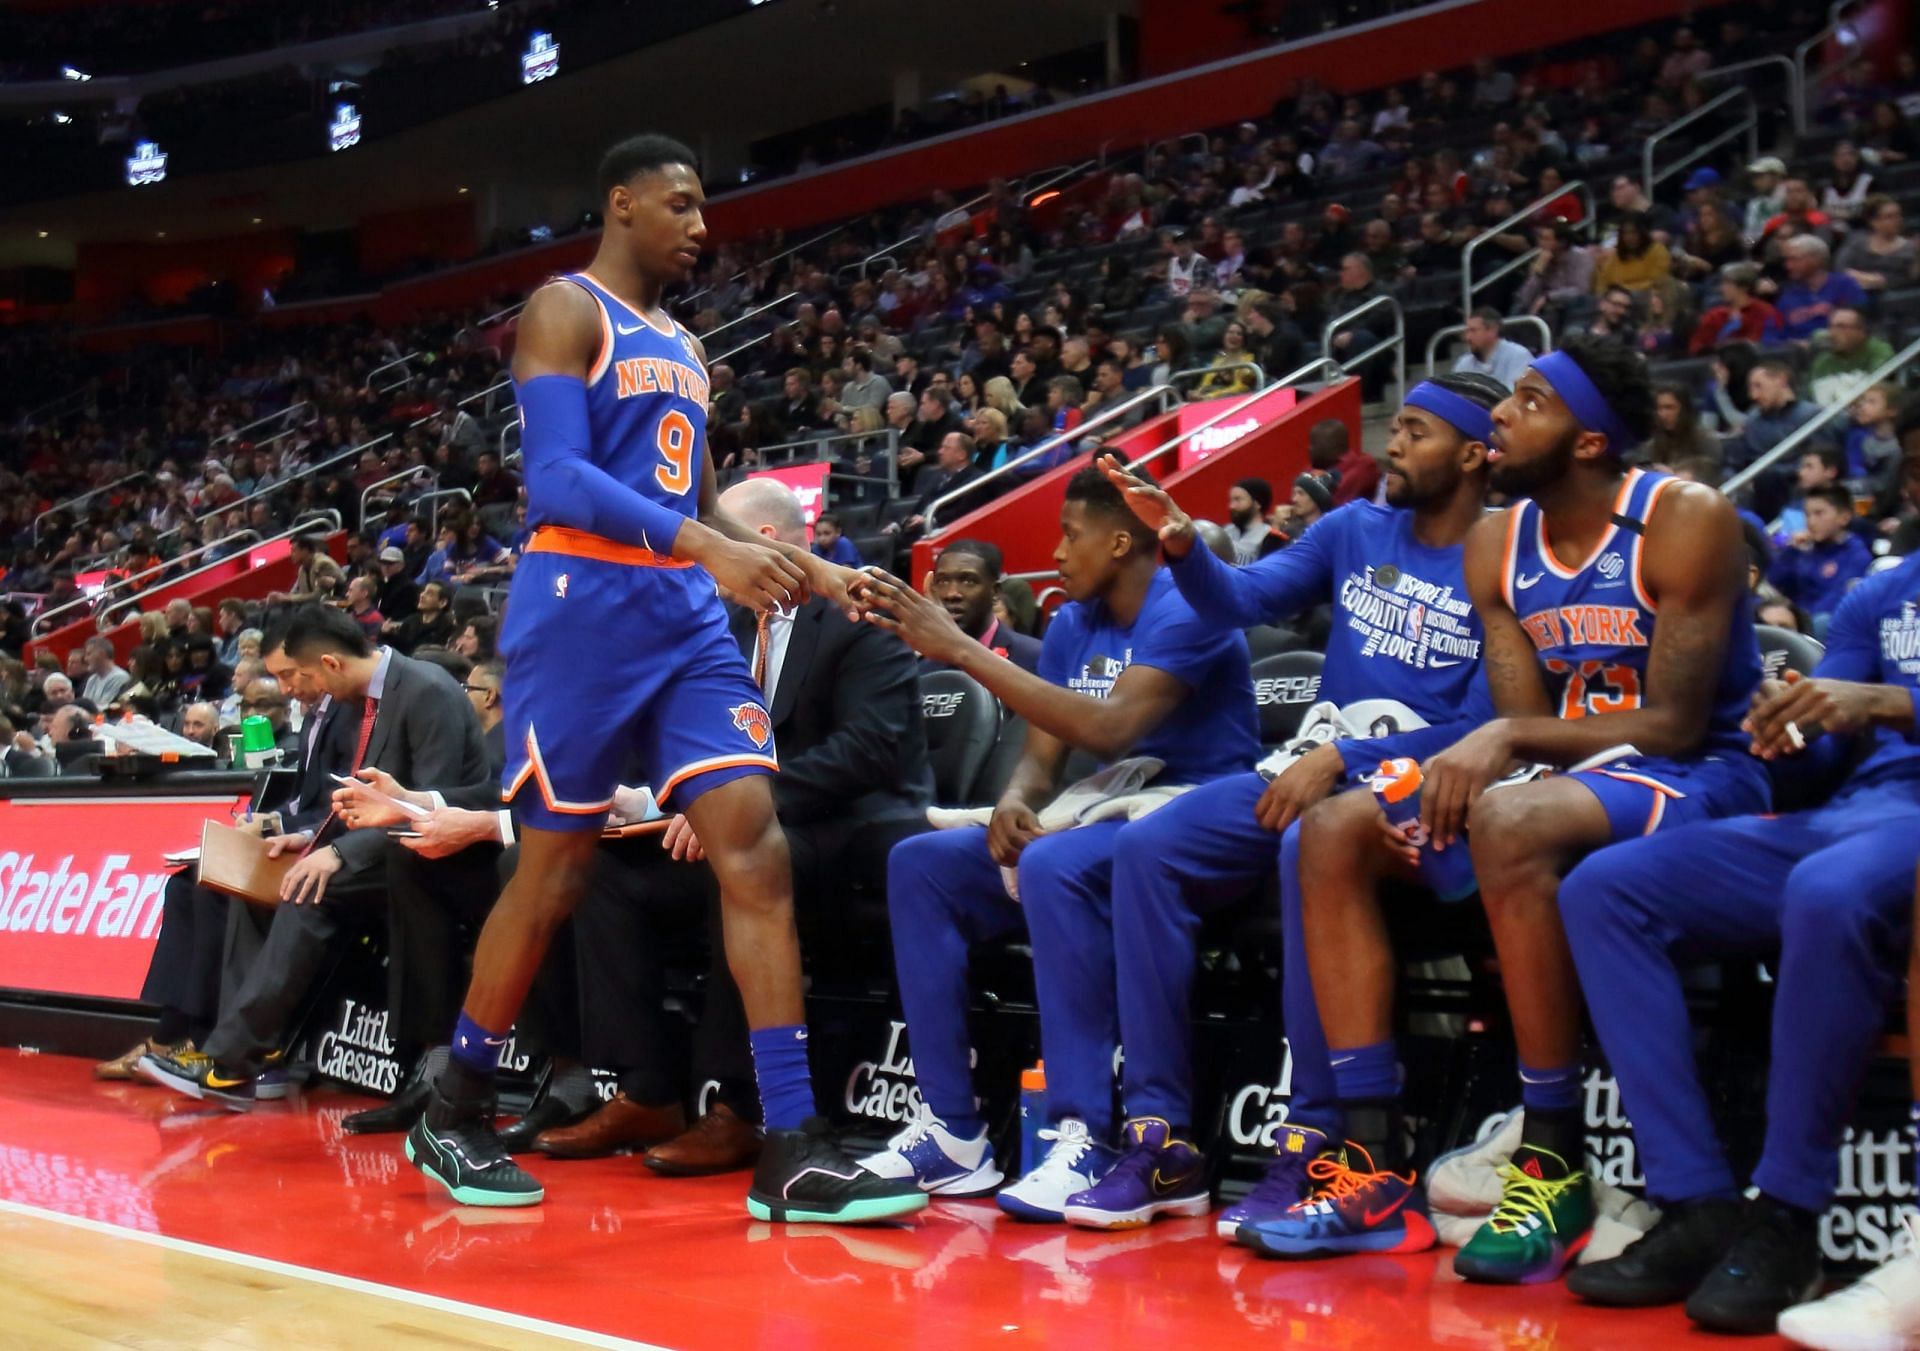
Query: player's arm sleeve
x,y
565,488
876,695
1275,588
1419,743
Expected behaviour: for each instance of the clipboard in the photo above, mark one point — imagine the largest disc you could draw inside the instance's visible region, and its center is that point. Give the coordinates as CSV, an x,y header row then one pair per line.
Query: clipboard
x,y
235,863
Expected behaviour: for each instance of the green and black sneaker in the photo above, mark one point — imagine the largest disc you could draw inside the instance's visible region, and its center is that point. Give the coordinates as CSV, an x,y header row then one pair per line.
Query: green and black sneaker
x,y
455,1145
1537,1230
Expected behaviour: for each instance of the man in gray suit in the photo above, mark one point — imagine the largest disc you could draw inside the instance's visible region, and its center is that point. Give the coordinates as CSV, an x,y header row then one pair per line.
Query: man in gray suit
x,y
406,717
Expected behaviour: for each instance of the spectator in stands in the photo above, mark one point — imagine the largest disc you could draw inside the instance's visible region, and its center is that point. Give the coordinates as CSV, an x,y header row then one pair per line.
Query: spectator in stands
x,y
1713,242
1612,320
966,583
106,678
360,605
1873,445
1493,88
954,471
399,594
1628,199
1488,353
1776,413
1637,260
178,612
229,620
1821,467
1274,340
476,640
831,543
200,723
1230,373
316,577
1880,255
1186,269
263,697
1312,499
1852,355
1741,316
797,415
1357,288
1349,153
494,486
1065,395
1249,502
1825,559
1812,293
1678,436
863,388
1561,273
1766,178
430,625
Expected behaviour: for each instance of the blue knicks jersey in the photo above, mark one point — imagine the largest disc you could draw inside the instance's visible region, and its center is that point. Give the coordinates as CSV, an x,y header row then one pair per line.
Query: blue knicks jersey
x,y
646,406
1592,626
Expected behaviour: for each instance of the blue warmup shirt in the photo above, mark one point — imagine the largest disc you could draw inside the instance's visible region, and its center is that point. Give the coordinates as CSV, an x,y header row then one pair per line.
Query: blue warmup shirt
x,y
1816,579
1875,637
1214,730
1403,627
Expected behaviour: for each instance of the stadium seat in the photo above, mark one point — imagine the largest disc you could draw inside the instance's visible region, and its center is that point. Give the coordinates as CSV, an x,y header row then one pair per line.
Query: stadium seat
x,y
1000,761
1285,686
1270,640
1784,650
962,719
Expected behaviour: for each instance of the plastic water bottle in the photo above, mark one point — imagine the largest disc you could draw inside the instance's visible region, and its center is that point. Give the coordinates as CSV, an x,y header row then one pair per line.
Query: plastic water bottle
x,y
1396,786
1033,1115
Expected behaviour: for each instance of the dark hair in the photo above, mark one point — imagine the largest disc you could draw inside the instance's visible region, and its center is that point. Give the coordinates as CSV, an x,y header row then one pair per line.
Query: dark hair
x,y
1095,492
1832,457
1908,425
1839,498
642,154
831,518
492,666
1487,314
234,605
1638,220
446,592
309,630
988,554
1259,490
313,544
1759,547
485,630
1620,374
447,660
862,358
1471,386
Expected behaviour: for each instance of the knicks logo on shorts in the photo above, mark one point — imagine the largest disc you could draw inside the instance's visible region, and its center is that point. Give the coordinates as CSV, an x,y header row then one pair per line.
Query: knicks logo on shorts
x,y
753,720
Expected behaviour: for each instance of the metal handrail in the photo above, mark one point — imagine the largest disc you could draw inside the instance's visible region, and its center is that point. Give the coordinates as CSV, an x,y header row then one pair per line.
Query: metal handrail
x,y
742,318
1247,363
504,382
1748,126
764,262
1182,138
312,417
736,351
299,527
101,599
1469,287
411,471
1397,343
814,451
1058,175
1455,330
402,363
1803,106
510,425
281,486
1796,96
1181,436
433,521
1791,443
1158,393
76,500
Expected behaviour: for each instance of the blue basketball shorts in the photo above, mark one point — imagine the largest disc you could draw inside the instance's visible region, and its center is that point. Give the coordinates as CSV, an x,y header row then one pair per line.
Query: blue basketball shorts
x,y
615,654
1645,794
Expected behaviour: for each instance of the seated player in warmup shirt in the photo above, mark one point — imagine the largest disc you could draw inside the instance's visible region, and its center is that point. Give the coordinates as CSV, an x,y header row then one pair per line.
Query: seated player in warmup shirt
x,y
1617,615
966,582
1829,891
1403,630
616,641
1126,669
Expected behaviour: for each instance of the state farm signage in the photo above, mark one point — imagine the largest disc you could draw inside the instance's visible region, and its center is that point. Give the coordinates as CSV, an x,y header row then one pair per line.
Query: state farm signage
x,y
81,888
1230,429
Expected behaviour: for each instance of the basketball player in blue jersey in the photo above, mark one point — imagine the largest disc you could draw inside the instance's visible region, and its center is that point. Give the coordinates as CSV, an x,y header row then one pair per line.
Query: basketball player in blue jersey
x,y
616,642
1402,630
1127,670
1618,629
1827,895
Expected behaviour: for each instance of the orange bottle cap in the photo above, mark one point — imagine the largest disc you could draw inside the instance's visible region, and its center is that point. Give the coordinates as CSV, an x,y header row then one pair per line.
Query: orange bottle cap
x,y
1035,1079
1397,780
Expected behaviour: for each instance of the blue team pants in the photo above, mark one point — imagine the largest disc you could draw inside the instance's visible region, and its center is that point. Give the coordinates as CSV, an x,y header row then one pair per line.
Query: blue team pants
x,y
944,894
1831,890
1171,867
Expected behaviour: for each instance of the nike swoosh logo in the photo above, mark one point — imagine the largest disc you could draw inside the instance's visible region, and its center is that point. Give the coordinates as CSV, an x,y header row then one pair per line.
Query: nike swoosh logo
x,y
626,332
1341,1060
1161,1186
215,1081
1371,1217
1436,664
1522,583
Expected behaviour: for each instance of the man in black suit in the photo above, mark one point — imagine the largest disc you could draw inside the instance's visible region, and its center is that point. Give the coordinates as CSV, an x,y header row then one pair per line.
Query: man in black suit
x,y
853,780
954,472
404,716
966,582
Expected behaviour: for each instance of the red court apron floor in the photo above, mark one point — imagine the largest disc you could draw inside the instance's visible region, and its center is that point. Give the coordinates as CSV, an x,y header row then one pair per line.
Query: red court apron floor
x,y
617,1253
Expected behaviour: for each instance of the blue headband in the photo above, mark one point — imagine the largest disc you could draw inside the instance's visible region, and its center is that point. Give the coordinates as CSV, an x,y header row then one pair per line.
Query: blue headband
x,y
1583,399
1462,414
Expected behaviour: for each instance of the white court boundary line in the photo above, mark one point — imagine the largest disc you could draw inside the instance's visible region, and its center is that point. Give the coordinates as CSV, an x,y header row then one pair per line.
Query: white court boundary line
x,y
418,1299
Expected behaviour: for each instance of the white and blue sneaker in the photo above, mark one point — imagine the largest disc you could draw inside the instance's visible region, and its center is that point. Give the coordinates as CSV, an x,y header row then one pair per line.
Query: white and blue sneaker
x,y
1074,1164
941,1162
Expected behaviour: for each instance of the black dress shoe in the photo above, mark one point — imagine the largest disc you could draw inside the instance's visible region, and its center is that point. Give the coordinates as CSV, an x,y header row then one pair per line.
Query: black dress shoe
x,y
544,1115
396,1117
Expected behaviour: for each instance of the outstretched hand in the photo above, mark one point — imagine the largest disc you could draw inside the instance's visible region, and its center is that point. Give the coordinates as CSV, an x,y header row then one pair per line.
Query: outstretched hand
x,y
920,622
1157,511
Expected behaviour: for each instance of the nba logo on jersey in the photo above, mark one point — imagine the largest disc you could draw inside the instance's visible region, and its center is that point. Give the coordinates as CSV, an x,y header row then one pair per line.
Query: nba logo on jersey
x,y
753,720
560,586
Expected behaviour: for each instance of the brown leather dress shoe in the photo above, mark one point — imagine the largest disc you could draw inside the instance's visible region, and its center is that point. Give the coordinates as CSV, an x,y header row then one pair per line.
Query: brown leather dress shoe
x,y
617,1124
719,1142
122,1067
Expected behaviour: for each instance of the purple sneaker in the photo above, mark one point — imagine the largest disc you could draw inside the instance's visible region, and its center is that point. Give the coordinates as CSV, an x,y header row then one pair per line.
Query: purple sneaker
x,y
1285,1184
1156,1175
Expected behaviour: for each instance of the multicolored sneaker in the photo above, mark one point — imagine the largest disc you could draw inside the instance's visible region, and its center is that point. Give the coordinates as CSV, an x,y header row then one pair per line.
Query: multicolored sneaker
x,y
941,1162
1156,1175
1286,1182
1536,1231
193,1074
273,1083
1354,1208
1073,1164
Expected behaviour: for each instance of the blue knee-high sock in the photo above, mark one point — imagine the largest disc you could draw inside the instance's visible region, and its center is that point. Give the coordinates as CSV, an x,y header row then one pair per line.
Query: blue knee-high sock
x,y
780,1065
